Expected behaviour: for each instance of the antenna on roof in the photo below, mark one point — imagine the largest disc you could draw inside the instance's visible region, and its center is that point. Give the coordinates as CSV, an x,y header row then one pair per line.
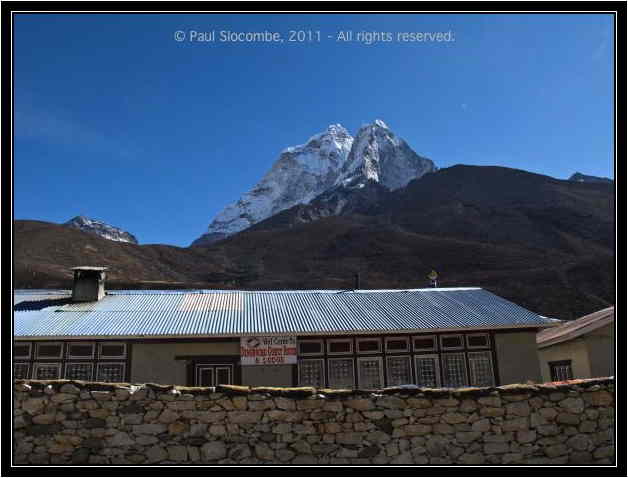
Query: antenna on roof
x,y
433,276
357,281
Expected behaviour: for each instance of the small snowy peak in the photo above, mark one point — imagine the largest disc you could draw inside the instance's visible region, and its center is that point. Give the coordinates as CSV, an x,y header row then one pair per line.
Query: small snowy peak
x,y
583,178
100,228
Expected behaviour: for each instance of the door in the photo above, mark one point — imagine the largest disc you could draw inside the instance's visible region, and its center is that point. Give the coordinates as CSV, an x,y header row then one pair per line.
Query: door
x,y
212,374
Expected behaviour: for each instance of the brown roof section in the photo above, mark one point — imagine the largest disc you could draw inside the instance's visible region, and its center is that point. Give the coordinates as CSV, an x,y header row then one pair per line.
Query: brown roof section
x,y
575,328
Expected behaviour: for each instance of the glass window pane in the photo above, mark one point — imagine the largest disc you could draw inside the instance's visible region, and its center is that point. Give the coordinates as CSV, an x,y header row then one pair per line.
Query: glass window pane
x,y
454,370
424,343
110,372
341,374
112,350
223,376
311,373
339,346
370,345
451,341
477,340
398,371
310,347
49,350
481,367
397,345
370,373
22,350
47,371
78,371
20,371
81,350
427,372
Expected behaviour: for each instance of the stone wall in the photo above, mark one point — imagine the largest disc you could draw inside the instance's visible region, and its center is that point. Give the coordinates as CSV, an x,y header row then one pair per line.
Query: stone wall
x,y
68,422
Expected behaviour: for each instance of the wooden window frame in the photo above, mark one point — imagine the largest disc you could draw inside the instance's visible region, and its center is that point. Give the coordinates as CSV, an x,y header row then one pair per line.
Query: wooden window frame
x,y
434,338
367,339
476,347
437,372
472,378
333,341
309,354
99,364
465,366
322,368
37,365
38,356
396,357
444,336
109,357
28,370
330,360
68,364
23,357
79,357
559,363
396,351
381,370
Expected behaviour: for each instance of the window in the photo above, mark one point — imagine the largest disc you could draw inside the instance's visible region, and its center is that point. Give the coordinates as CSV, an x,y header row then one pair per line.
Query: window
x,y
424,343
369,346
78,371
311,373
560,370
21,350
370,374
454,370
477,341
397,344
112,350
427,371
398,371
310,347
339,346
47,371
110,372
481,369
20,371
223,375
451,342
341,373
49,350
80,350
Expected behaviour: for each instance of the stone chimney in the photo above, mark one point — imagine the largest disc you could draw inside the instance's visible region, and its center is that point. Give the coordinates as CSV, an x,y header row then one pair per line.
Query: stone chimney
x,y
89,284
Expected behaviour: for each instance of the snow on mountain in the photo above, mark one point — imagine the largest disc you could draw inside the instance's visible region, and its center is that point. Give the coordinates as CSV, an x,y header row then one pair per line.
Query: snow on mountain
x,y
101,229
328,161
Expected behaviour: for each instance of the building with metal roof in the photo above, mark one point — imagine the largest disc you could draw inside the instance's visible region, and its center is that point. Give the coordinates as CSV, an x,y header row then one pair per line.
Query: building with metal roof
x,y
330,338
581,348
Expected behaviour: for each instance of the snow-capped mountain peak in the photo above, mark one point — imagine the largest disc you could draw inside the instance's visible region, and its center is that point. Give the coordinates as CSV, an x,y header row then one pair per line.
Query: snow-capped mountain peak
x,y
101,229
327,161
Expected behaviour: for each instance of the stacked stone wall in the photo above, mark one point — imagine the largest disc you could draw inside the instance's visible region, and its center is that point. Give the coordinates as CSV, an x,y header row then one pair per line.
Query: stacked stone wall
x,y
69,422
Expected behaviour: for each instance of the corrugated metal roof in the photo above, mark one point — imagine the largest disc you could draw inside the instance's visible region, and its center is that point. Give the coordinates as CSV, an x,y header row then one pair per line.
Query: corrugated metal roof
x,y
234,313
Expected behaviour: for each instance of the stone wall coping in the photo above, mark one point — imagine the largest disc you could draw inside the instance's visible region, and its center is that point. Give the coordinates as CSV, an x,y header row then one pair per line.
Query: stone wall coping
x,y
323,393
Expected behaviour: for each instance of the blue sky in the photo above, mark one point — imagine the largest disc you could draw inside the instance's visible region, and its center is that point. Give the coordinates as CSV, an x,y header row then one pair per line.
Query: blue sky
x,y
116,120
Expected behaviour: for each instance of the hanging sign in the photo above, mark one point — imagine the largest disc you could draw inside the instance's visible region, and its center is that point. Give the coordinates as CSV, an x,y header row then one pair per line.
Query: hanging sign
x,y
261,350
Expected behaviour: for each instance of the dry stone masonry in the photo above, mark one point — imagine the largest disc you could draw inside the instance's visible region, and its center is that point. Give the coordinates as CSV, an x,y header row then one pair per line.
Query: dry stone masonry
x,y
71,422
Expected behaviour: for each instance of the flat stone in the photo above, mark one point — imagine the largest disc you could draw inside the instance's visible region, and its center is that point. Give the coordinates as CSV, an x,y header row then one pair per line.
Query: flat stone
x,y
359,404
214,450
496,448
519,409
149,429
70,389
580,442
526,436
568,419
156,454
483,425
556,450
572,405
471,459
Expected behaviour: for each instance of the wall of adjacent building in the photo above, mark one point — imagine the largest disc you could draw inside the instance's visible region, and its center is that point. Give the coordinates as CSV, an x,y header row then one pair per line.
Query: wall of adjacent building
x,y
62,422
601,350
518,361
575,350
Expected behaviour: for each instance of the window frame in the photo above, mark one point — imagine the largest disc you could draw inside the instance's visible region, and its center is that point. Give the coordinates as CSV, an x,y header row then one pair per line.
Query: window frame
x,y
321,362
388,374
68,364
109,357
38,356
559,363
437,371
37,365
444,336
99,364
465,367
309,354
381,371
396,351
472,378
331,360
78,357
334,341
481,334
23,357
367,339
434,338
28,370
